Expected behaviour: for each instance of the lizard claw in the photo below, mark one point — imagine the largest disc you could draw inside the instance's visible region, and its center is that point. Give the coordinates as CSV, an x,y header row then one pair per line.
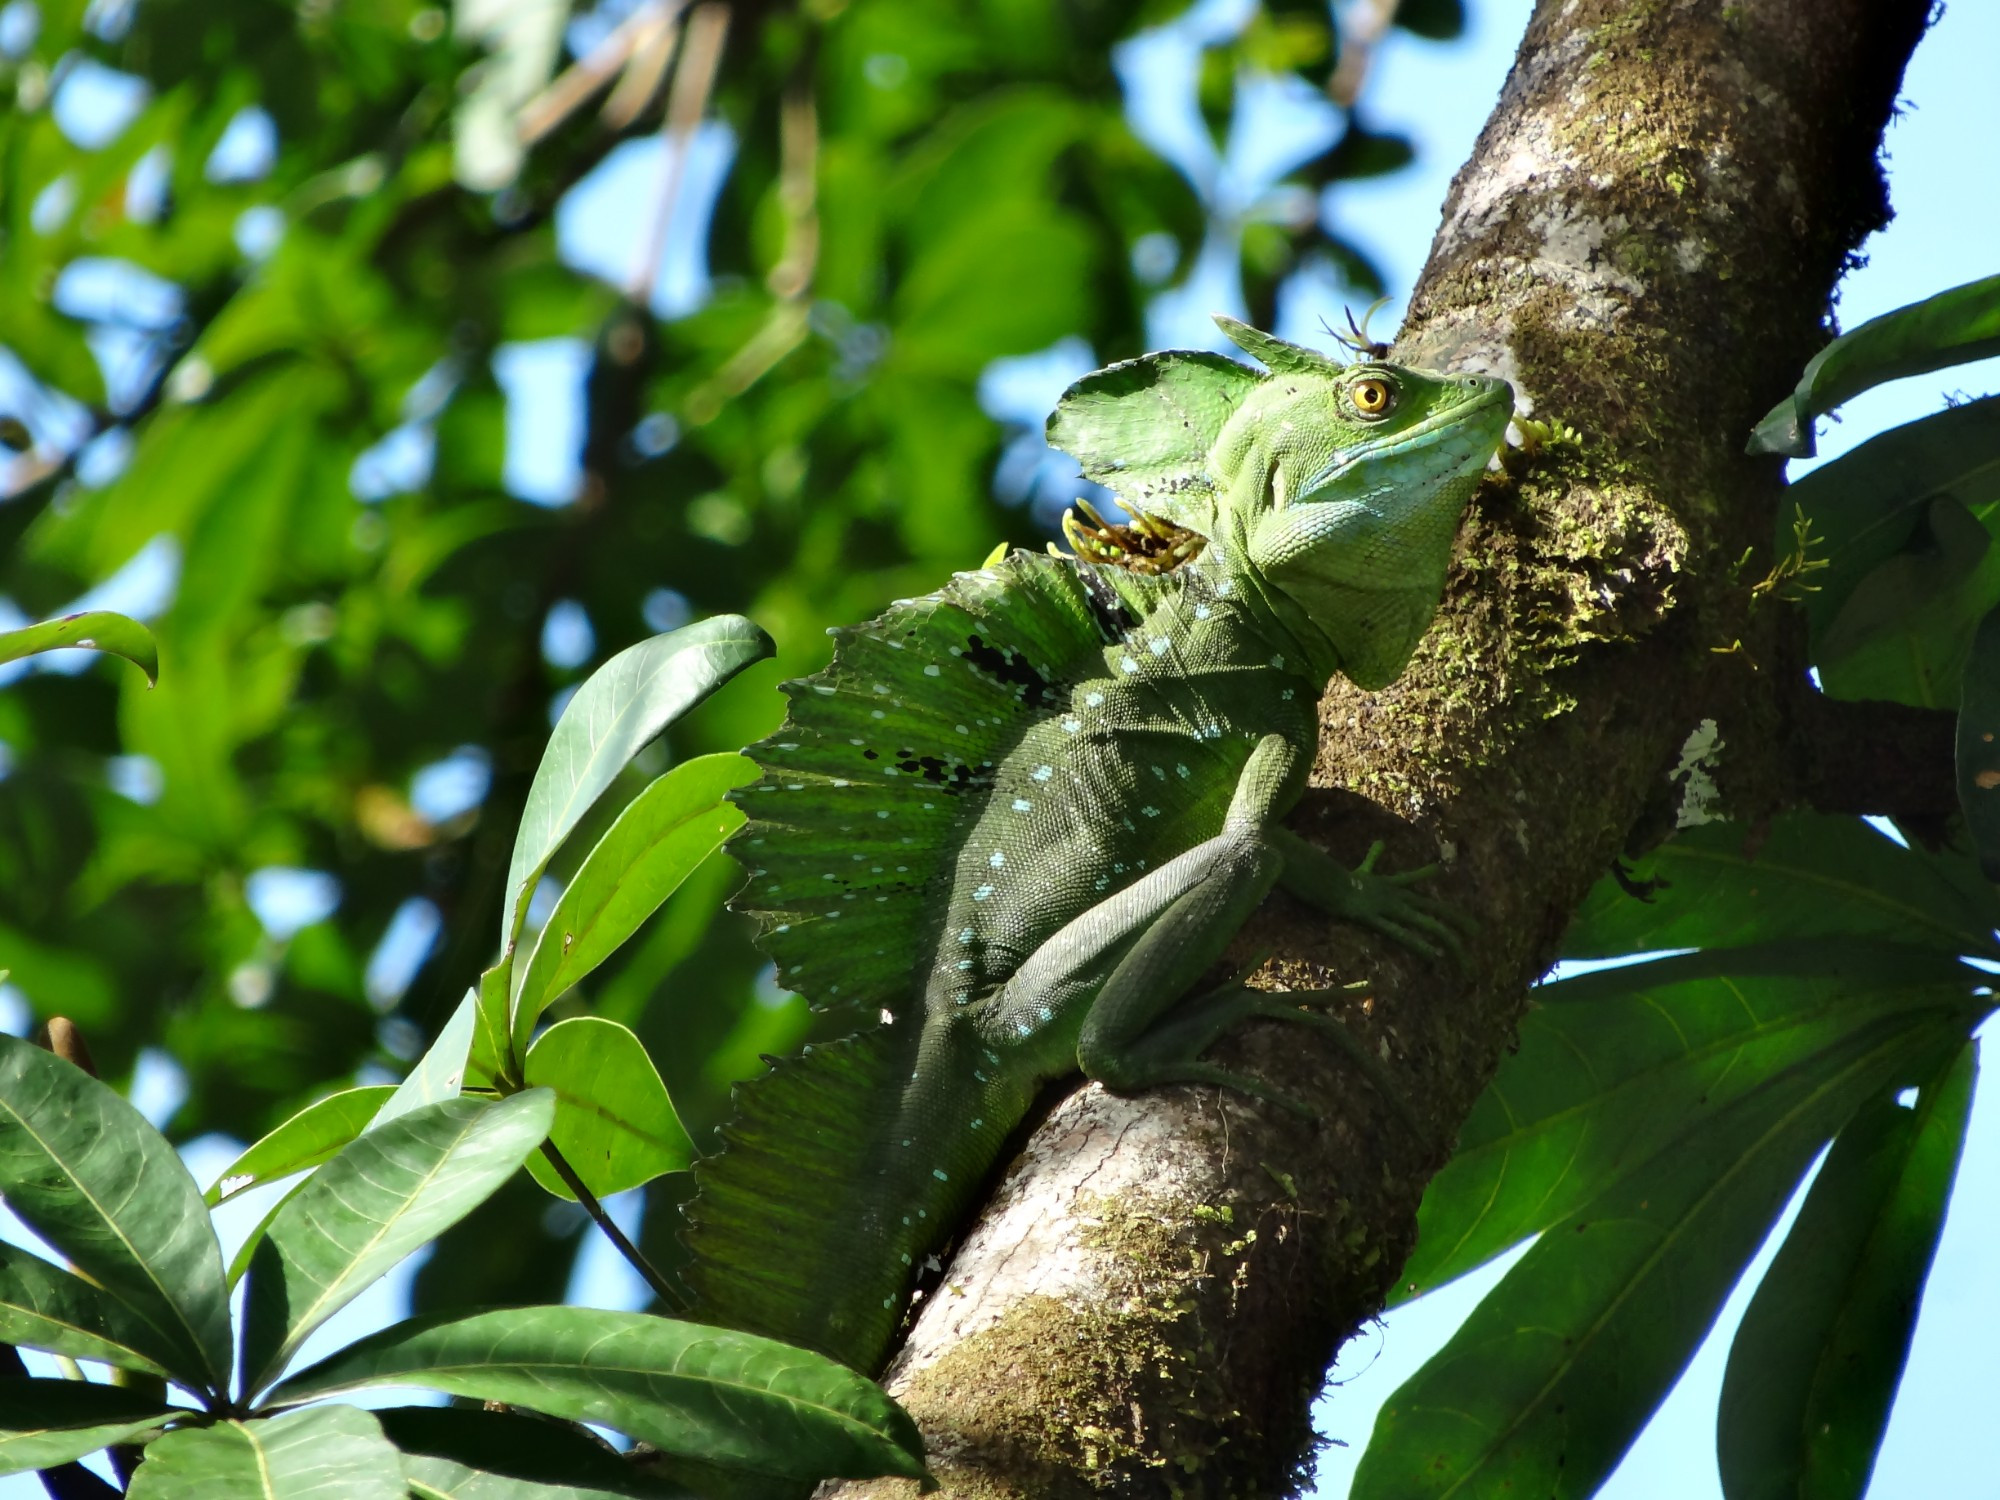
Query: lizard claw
x,y
1421,923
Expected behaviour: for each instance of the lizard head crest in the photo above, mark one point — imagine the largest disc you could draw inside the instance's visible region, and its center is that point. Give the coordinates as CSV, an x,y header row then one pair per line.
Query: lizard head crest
x,y
1333,490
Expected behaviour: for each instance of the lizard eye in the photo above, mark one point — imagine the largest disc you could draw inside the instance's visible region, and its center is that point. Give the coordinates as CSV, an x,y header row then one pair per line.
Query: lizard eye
x,y
1372,396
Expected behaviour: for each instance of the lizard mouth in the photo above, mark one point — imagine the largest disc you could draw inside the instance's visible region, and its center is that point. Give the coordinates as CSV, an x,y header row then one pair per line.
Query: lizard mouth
x,y
1492,406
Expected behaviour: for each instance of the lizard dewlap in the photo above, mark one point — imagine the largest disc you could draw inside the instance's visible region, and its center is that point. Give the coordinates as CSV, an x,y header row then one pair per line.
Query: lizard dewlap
x,y
1013,822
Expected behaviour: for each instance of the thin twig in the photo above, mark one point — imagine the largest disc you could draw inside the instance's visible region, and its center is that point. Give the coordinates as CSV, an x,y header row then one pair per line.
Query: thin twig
x,y
574,87
790,281
1362,27
639,85
694,78
798,193
662,1288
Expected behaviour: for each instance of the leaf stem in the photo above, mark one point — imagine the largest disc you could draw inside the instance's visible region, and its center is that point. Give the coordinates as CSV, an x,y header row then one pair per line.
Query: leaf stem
x,y
589,1201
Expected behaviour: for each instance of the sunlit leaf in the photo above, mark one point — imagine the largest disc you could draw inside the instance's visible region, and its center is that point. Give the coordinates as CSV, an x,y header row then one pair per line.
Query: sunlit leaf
x,y
308,1138
1814,1367
614,1123
1803,876
330,1450
493,1055
1951,328
440,1072
1555,1372
97,629
86,1172
1615,1066
45,1307
663,834
729,1398
393,1189
624,705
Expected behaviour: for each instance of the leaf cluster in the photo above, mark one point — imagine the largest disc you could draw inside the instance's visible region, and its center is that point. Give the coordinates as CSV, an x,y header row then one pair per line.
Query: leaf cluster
x,y
149,1295
388,1170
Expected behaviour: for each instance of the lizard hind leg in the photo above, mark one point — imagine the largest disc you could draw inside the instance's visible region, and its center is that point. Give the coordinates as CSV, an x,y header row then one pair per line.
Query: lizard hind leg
x,y
1144,1028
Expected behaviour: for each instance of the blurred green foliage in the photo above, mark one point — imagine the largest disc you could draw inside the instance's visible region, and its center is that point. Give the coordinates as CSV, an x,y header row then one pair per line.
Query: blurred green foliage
x,y
209,341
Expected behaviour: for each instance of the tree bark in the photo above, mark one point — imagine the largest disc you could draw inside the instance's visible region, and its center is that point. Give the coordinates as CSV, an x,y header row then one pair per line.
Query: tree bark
x,y
1644,243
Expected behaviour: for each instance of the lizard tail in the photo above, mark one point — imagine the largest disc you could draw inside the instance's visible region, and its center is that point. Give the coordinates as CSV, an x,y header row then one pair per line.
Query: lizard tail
x,y
777,1246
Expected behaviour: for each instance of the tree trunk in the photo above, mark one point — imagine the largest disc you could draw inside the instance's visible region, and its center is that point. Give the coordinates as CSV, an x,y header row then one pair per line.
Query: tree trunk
x,y
1644,243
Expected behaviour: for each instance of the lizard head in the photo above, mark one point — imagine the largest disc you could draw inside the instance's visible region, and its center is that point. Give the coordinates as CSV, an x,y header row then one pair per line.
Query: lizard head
x,y
1331,492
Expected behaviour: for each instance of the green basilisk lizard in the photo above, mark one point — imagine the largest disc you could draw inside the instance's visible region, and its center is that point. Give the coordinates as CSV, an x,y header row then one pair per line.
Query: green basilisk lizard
x,y
1014,821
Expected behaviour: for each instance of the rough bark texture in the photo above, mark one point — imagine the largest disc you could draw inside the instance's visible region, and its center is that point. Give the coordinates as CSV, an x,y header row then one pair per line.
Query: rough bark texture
x,y
1644,242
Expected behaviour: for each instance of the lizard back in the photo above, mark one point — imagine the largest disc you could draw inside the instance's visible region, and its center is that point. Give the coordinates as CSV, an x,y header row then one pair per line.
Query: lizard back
x,y
972,770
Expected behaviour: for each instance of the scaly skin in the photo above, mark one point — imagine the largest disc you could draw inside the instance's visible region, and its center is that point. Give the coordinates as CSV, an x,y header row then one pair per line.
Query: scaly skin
x,y
1020,818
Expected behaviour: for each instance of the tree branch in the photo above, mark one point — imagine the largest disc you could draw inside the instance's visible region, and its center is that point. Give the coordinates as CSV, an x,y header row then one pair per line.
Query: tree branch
x,y
1644,243
1874,759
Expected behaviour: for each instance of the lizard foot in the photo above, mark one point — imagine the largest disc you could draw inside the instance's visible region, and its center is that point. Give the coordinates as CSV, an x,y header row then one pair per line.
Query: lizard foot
x,y
1421,923
1170,1051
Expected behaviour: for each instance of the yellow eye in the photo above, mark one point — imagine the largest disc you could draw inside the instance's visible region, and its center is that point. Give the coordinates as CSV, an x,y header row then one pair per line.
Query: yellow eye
x,y
1372,396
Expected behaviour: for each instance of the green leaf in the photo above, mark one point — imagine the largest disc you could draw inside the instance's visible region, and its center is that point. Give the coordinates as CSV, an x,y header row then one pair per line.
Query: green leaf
x,y
305,1140
48,1422
1006,281
1550,1379
1954,327
1979,744
98,629
330,1450
1362,152
45,1307
1906,629
397,1187
1809,876
1814,1368
488,1455
1615,1066
614,1122
440,1072
493,1055
621,709
728,1398
1866,505
663,834
86,1172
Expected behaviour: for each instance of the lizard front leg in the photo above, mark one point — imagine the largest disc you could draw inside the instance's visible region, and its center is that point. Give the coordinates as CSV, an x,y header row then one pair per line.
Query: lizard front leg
x,y
1129,964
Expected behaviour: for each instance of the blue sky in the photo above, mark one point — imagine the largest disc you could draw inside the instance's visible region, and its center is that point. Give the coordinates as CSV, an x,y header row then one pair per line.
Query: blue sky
x,y
1440,95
